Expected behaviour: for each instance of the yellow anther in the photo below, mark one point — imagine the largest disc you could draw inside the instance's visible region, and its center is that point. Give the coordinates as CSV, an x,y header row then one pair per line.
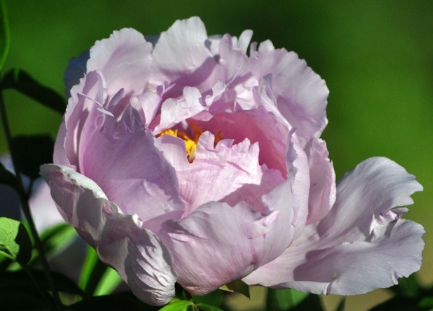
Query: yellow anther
x,y
190,144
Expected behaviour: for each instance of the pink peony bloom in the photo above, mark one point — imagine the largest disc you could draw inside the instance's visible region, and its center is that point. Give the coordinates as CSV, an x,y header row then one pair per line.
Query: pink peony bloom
x,y
182,159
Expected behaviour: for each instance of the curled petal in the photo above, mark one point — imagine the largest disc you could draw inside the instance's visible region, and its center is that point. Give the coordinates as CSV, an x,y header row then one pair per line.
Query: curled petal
x,y
136,253
361,245
322,181
215,171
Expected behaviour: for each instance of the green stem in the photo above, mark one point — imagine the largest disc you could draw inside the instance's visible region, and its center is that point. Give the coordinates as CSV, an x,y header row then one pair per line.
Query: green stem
x,y
25,205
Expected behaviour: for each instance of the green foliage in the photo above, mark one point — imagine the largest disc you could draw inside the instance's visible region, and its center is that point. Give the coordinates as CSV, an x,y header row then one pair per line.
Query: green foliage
x,y
4,33
206,307
179,305
22,82
283,299
214,298
14,240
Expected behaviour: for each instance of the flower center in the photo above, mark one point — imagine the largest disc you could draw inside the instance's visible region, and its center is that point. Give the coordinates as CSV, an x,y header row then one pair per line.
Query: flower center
x,y
190,143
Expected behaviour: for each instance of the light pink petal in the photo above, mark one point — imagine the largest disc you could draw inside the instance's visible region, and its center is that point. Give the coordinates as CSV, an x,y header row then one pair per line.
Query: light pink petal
x,y
80,119
217,244
136,253
124,60
257,125
181,57
301,94
124,160
322,180
361,245
119,155
298,167
215,171
174,111
252,193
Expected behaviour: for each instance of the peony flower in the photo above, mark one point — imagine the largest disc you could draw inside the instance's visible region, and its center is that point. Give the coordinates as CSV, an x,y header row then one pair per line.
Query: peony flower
x,y
182,159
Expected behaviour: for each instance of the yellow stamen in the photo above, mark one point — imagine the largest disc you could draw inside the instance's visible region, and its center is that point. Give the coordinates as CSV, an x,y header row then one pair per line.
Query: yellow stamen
x,y
190,144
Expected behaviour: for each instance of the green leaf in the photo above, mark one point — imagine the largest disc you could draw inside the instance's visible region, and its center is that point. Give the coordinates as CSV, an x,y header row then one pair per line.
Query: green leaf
x,y
237,287
109,281
95,275
4,33
426,302
31,151
206,307
14,240
283,299
121,301
22,82
214,298
181,305
408,287
311,302
7,178
399,303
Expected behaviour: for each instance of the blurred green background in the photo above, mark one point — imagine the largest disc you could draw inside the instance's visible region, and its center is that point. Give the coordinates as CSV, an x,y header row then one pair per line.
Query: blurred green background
x,y
376,57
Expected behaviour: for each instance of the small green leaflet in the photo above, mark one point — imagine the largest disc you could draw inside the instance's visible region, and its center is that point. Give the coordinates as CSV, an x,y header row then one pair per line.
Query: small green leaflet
x,y
14,240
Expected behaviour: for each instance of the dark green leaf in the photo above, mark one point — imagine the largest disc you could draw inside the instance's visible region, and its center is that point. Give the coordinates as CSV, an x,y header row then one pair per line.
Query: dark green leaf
x,y
4,33
23,240
426,302
121,301
206,307
181,305
31,151
20,281
408,287
215,298
312,302
14,240
399,303
22,82
237,287
283,299
7,178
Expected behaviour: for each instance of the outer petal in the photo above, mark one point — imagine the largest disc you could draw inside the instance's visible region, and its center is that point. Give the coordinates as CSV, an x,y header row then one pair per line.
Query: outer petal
x,y
123,159
119,155
124,60
217,244
359,246
181,57
136,253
